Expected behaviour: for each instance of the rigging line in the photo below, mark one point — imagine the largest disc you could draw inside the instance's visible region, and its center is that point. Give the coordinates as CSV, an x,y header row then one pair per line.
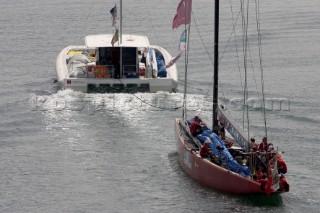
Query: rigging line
x,y
235,36
222,55
150,18
253,71
86,22
247,49
225,49
245,25
250,56
189,85
234,23
207,51
143,101
229,40
237,51
260,57
205,47
235,39
187,54
244,55
154,106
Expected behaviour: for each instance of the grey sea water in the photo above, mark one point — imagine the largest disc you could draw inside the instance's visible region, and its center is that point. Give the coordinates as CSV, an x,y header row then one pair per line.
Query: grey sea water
x,y
64,151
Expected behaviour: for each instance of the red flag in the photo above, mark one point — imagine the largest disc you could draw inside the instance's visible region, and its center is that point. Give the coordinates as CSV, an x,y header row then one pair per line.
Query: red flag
x,y
183,15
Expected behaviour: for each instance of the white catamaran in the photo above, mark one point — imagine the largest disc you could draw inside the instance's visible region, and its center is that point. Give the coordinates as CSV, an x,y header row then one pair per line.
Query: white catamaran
x,y
116,63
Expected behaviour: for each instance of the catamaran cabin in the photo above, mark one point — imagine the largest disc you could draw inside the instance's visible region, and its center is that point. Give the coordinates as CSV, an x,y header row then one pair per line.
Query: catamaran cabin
x,y
130,62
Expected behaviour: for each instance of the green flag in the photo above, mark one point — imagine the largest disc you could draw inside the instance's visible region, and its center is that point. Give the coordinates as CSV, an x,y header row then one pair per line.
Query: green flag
x,y
115,37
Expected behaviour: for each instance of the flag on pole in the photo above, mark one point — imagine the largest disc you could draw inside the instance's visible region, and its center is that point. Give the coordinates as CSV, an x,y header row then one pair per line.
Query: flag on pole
x,y
183,14
173,60
115,37
183,45
113,12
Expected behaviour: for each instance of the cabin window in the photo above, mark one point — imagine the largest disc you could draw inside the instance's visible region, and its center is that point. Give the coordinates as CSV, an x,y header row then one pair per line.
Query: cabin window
x,y
110,58
129,62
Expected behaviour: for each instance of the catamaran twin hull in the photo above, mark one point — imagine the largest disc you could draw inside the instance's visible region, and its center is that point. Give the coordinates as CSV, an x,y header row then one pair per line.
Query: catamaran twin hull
x,y
131,66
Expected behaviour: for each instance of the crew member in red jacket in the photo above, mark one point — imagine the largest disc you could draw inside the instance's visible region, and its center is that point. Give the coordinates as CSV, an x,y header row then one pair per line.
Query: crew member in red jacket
x,y
205,151
264,145
282,166
196,126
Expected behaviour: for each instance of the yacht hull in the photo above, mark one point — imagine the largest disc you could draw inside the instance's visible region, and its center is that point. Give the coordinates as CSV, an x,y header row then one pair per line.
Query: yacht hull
x,y
208,173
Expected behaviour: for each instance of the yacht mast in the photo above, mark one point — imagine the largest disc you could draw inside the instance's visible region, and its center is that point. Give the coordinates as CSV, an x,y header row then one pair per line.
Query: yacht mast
x,y
216,63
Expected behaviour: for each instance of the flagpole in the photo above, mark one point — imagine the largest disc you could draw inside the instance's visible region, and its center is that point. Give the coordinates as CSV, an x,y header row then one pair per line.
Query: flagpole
x,y
120,21
183,16
186,51
184,111
186,58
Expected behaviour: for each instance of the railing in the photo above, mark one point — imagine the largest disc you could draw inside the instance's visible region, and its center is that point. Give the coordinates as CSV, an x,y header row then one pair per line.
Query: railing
x,y
104,71
239,136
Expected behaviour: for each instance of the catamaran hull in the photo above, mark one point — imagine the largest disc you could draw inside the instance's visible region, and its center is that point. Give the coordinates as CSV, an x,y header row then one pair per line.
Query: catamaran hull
x,y
84,84
209,173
